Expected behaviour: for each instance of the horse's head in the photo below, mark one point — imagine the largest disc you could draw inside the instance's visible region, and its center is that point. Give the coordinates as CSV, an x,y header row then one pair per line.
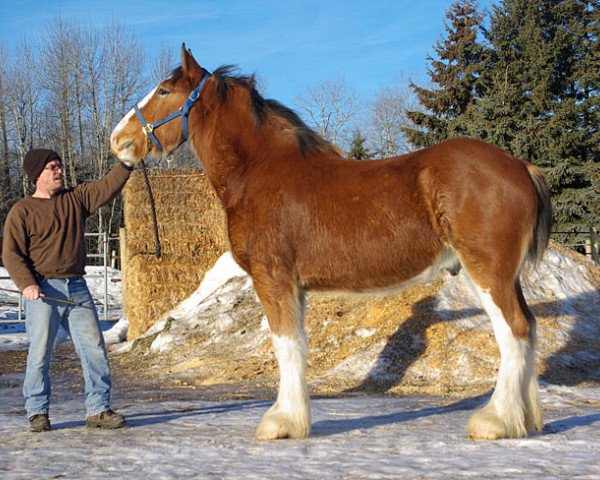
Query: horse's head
x,y
158,124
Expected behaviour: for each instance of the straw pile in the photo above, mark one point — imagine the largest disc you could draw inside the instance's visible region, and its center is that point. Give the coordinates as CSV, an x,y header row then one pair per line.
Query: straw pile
x,y
192,232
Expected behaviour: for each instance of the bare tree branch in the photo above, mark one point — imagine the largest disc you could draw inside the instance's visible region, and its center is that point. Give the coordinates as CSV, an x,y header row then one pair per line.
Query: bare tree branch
x,y
388,118
329,106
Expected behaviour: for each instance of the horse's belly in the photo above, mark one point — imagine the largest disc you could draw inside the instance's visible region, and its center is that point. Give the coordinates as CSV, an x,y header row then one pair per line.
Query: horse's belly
x,y
371,270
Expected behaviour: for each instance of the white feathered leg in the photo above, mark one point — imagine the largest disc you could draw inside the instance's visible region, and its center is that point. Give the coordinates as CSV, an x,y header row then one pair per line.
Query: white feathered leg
x,y
289,417
516,388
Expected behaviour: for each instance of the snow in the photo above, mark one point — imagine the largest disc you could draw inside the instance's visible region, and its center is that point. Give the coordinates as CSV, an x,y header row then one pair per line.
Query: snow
x,y
186,433
361,437
12,333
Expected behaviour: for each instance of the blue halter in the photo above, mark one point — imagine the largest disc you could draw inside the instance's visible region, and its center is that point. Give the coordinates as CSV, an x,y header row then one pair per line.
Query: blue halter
x,y
183,112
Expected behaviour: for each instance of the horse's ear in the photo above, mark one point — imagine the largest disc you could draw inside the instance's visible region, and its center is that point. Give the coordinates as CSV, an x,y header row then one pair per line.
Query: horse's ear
x,y
188,62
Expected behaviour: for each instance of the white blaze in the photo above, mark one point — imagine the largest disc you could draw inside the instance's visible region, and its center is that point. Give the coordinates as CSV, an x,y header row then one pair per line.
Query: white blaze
x,y
121,125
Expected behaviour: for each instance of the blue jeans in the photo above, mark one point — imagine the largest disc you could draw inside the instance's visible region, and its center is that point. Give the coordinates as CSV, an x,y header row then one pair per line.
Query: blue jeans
x,y
43,320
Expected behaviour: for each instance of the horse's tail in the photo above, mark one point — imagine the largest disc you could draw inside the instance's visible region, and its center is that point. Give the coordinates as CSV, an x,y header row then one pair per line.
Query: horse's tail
x,y
543,222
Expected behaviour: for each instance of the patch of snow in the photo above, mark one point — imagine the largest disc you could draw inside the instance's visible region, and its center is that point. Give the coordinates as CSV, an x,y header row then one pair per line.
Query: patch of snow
x,y
374,437
117,333
365,332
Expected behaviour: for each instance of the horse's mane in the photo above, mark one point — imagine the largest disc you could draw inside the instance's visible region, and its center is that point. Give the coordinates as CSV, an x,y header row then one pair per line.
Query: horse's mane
x,y
262,108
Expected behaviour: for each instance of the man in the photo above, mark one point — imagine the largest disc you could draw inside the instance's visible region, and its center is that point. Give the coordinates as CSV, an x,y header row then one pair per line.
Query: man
x,y
44,252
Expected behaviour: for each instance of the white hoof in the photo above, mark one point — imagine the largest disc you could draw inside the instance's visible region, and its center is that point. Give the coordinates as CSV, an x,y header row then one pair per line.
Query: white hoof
x,y
486,424
277,424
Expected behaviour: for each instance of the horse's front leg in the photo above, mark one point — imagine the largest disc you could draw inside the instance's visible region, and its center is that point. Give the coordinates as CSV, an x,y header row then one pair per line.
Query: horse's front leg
x,y
284,303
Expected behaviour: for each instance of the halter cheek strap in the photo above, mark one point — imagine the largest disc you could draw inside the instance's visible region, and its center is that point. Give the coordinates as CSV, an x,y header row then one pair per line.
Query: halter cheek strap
x,y
183,112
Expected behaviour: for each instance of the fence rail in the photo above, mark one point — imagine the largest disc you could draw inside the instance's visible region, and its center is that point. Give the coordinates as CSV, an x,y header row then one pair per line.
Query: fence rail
x,y
97,255
586,241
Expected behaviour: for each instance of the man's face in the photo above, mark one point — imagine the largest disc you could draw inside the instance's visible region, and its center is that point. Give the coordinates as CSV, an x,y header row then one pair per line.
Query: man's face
x,y
51,178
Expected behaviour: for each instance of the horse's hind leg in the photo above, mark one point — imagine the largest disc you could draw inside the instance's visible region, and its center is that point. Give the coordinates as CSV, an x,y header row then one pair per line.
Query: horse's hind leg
x,y
533,409
284,303
514,409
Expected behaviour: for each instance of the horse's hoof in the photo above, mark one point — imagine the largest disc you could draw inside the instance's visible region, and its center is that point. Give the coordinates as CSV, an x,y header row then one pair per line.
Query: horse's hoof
x,y
485,424
478,433
276,426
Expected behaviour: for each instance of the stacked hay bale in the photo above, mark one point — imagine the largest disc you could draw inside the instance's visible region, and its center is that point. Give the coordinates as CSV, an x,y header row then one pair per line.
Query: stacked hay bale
x,y
191,226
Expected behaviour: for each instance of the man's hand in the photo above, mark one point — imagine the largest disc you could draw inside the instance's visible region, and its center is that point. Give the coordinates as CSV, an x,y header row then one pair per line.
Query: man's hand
x,y
32,292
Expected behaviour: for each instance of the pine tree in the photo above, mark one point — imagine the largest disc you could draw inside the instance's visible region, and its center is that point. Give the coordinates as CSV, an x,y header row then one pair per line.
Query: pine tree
x,y
456,71
585,30
358,150
538,97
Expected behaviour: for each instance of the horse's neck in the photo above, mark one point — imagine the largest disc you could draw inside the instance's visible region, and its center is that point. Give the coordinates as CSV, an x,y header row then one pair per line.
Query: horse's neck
x,y
237,152
225,166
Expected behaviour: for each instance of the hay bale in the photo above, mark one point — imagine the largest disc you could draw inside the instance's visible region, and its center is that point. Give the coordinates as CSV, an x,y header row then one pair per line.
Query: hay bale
x,y
192,231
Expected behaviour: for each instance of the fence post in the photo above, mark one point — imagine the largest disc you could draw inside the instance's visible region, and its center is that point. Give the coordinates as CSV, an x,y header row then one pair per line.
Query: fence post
x,y
123,257
105,264
594,245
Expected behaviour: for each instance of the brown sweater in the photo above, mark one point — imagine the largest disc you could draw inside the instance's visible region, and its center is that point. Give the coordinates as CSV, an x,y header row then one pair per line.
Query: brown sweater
x,y
44,238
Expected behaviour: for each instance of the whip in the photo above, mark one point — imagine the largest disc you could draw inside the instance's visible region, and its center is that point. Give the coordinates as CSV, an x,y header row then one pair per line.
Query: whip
x,y
59,300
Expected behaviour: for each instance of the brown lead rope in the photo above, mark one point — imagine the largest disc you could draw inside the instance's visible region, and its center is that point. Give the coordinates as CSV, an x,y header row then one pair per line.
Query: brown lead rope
x,y
152,210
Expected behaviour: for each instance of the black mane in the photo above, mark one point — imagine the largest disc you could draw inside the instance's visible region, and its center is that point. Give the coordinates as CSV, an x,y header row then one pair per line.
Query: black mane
x,y
262,108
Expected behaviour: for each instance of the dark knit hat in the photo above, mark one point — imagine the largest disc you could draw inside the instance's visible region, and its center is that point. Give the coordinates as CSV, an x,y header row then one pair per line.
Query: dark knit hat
x,y
35,161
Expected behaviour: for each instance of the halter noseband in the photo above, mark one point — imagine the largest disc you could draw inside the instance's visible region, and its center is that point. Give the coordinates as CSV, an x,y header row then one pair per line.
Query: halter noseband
x,y
183,112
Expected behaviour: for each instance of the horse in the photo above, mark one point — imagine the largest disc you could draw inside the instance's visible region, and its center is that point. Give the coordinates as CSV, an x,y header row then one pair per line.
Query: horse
x,y
301,217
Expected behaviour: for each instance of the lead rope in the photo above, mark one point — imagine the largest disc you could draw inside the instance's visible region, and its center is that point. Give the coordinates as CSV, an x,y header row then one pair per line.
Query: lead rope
x,y
152,210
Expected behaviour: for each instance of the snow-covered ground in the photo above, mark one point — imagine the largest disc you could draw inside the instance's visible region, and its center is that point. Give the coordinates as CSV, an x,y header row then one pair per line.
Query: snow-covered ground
x,y
353,438
176,434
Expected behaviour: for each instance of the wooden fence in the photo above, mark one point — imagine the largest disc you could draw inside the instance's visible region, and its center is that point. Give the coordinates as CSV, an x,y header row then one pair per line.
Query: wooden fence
x,y
584,241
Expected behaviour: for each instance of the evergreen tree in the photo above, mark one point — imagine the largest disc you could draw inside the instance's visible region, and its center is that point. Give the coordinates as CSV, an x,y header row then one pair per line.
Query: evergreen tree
x,y
532,89
456,71
358,150
585,30
538,97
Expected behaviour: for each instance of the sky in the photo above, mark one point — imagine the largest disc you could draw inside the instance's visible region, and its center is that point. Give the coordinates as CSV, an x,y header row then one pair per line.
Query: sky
x,y
291,46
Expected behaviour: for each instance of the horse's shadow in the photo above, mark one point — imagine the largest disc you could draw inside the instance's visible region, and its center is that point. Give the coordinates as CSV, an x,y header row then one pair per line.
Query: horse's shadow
x,y
324,428
565,424
570,365
405,346
573,364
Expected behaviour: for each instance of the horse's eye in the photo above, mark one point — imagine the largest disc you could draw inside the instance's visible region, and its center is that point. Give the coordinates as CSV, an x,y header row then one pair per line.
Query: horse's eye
x,y
163,92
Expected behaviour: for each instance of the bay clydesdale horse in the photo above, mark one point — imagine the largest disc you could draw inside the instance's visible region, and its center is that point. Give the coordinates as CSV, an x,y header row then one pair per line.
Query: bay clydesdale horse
x,y
301,217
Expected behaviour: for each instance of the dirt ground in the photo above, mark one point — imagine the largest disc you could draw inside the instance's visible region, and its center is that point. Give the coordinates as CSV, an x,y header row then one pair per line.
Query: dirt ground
x,y
130,379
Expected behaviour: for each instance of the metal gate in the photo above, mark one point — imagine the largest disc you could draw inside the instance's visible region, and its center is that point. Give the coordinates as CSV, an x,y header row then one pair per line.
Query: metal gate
x,y
102,257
